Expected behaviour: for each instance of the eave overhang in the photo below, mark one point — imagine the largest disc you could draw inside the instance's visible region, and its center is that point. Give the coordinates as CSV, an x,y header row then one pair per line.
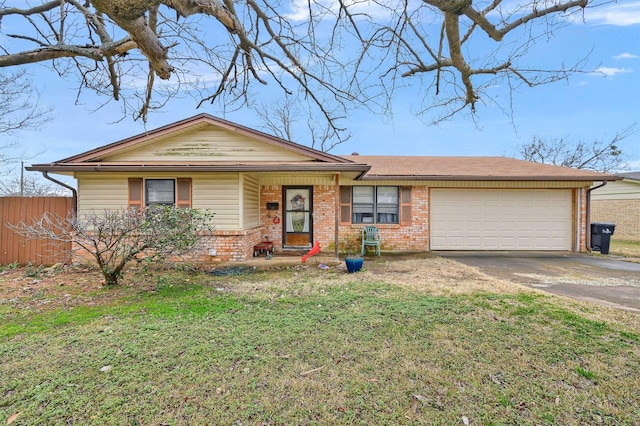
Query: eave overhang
x,y
360,169
546,178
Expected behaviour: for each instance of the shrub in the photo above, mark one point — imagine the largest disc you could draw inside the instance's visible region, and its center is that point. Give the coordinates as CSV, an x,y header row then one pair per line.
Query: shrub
x,y
116,237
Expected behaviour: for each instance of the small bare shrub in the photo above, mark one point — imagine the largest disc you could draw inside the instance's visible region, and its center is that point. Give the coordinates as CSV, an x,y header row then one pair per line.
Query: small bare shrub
x,y
116,237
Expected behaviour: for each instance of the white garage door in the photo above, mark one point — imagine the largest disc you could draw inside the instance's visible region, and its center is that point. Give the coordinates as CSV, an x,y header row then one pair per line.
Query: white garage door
x,y
483,219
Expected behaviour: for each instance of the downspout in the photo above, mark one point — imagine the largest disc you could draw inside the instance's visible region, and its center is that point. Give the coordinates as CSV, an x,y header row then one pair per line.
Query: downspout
x,y
588,224
74,193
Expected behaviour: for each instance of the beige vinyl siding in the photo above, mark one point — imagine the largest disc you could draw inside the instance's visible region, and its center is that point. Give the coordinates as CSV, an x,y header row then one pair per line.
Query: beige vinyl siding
x,y
218,192
250,201
619,190
209,144
101,192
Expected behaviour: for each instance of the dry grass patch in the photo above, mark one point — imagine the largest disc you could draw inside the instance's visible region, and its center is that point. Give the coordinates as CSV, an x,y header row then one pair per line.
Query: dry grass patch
x,y
435,276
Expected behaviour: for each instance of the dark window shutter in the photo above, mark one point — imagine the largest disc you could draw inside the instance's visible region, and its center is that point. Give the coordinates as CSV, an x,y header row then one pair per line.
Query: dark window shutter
x,y
345,204
405,205
135,193
183,198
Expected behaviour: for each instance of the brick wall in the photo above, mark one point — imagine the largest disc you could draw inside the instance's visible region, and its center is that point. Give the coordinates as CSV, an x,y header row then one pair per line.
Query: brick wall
x,y
271,231
625,214
584,228
413,237
324,216
229,246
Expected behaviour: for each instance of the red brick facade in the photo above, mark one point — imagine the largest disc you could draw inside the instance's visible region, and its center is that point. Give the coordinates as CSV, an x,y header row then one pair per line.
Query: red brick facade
x,y
414,237
582,212
233,246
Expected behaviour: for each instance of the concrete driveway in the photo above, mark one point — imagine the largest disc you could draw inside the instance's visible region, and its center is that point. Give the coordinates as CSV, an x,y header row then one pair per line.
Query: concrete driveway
x,y
608,281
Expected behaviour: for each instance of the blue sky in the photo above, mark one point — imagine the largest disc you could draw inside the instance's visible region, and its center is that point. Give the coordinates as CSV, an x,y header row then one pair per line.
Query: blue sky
x,y
590,106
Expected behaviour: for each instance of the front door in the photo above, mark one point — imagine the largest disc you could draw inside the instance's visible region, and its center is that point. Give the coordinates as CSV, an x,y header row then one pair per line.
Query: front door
x,y
298,213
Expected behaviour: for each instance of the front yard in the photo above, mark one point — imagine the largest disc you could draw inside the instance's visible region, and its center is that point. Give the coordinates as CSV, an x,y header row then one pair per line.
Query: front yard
x,y
423,341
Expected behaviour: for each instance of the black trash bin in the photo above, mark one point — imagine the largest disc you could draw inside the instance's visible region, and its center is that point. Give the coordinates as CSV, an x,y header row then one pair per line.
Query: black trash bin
x,y
601,236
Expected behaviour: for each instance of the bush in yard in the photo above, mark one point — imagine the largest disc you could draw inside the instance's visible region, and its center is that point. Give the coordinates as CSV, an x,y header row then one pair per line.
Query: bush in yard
x,y
116,237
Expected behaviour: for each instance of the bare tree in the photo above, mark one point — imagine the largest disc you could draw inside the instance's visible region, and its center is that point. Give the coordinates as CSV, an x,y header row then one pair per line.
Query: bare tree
x,y
599,155
338,55
19,110
30,186
115,238
284,121
19,104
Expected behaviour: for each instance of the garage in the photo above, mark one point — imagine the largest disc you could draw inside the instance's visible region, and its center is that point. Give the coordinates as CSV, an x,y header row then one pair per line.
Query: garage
x,y
500,219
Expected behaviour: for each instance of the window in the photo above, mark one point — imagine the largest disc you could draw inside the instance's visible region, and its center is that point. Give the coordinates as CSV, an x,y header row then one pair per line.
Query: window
x,y
159,192
375,204
363,205
387,204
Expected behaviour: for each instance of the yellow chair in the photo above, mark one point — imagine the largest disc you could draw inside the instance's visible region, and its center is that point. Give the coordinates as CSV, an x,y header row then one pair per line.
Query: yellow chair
x,y
370,238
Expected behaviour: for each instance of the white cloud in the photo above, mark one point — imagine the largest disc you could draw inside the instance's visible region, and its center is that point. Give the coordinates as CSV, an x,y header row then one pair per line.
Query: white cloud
x,y
625,56
610,72
621,15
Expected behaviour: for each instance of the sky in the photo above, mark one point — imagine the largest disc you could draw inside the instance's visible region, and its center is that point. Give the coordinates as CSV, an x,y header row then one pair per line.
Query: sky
x,y
589,106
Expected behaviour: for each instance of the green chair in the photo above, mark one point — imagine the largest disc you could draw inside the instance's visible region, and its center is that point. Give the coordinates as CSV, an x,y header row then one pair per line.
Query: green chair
x,y
370,238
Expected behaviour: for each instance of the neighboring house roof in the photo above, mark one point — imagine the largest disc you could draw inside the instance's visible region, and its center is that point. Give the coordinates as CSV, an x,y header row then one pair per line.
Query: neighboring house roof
x,y
191,145
631,176
469,168
627,188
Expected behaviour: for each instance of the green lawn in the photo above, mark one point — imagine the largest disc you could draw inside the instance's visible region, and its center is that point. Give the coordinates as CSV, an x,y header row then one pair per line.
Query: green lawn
x,y
319,350
625,248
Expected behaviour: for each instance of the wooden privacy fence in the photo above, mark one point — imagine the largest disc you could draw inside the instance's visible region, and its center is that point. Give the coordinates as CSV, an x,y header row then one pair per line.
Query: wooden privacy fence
x,y
16,248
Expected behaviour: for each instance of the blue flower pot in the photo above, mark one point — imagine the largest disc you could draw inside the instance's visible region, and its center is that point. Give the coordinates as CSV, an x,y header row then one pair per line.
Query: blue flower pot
x,y
354,264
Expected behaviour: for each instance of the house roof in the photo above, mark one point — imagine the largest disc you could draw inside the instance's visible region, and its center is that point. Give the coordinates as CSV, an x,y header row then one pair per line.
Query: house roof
x,y
102,158
189,125
118,157
469,168
630,176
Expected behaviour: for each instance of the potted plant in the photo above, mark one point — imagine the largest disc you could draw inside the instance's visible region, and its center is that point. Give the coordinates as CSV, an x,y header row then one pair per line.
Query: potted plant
x,y
352,259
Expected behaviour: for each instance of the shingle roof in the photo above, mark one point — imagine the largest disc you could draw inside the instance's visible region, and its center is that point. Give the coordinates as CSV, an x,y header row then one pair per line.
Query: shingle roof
x,y
363,167
468,168
631,175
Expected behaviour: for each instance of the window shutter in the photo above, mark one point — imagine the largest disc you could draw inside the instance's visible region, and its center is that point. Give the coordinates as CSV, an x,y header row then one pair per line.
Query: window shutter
x,y
135,193
345,204
183,197
405,205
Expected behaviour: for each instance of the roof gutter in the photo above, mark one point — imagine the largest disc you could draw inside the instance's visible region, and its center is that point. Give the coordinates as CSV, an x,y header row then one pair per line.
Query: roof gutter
x,y
99,167
74,193
476,178
588,239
